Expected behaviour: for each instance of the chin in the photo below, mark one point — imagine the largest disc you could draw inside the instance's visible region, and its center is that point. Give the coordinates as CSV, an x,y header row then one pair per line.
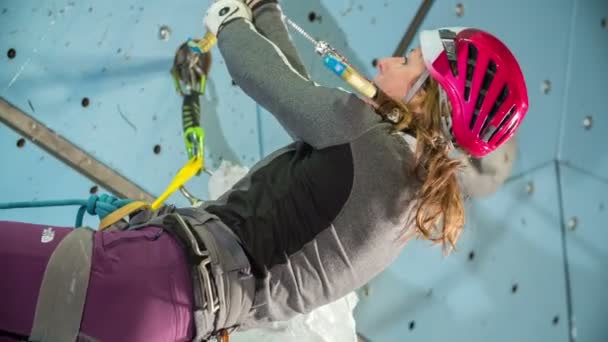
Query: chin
x,y
378,81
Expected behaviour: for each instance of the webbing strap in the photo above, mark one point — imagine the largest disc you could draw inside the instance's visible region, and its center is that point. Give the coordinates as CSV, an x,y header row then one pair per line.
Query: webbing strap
x,y
64,288
120,213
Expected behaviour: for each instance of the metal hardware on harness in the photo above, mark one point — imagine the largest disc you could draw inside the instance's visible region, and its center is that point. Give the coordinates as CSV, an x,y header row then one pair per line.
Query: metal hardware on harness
x,y
194,201
213,302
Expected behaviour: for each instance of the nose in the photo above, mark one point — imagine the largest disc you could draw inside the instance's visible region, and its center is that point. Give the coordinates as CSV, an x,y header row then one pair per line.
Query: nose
x,y
386,63
381,65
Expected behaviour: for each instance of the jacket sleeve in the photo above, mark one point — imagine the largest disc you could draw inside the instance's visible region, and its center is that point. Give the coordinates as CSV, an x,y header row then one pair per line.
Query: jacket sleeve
x,y
320,116
268,20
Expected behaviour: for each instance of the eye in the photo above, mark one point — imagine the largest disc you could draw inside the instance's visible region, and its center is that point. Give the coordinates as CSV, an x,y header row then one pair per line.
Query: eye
x,y
404,60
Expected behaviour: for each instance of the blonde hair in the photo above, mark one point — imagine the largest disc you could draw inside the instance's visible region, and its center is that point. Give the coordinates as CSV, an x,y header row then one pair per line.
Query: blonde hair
x,y
440,208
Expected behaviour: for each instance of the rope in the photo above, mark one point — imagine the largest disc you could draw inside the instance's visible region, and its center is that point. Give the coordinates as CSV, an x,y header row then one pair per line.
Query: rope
x,y
101,206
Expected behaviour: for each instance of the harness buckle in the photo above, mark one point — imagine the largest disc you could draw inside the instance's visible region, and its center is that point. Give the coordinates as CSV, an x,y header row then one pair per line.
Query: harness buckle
x,y
212,301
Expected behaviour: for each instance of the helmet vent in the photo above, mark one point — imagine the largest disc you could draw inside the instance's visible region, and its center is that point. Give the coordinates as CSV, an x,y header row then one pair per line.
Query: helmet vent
x,y
489,135
487,81
499,101
504,137
471,63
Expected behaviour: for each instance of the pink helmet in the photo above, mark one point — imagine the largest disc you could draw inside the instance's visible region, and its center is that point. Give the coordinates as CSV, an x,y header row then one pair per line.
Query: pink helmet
x,y
483,83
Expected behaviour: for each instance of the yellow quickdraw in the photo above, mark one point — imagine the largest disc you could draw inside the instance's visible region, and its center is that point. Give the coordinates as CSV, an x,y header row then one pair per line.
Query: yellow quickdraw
x,y
192,167
122,212
204,45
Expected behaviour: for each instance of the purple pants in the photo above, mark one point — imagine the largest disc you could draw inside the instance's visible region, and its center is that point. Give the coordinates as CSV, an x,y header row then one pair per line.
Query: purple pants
x,y
139,290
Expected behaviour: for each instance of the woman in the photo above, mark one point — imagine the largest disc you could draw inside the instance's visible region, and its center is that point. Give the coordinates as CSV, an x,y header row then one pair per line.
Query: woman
x,y
309,223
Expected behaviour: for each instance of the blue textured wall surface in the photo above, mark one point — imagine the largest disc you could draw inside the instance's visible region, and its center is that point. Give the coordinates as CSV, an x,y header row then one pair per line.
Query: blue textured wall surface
x,y
506,283
532,264
110,53
584,171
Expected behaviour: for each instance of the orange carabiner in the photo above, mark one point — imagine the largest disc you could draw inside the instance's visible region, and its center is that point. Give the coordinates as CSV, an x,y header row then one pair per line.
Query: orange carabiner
x,y
224,337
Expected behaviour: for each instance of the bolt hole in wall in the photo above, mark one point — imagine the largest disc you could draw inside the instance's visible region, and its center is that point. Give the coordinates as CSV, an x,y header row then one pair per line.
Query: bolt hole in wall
x,y
546,87
572,223
555,320
313,16
93,190
412,325
375,62
605,23
471,256
459,10
20,143
514,288
85,102
157,149
11,53
530,188
588,122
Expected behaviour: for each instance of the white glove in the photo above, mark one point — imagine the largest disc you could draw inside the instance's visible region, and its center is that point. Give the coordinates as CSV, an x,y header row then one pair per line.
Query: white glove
x,y
224,11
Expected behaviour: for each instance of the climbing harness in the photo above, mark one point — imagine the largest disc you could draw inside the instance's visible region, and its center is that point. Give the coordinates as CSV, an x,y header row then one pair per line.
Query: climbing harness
x,y
223,270
214,255
60,303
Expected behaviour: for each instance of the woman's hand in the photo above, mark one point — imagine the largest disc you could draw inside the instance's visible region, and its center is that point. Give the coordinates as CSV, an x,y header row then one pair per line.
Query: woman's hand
x,y
223,11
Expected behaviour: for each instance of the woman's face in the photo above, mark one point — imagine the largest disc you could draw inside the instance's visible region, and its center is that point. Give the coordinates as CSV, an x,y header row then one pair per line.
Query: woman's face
x,y
396,75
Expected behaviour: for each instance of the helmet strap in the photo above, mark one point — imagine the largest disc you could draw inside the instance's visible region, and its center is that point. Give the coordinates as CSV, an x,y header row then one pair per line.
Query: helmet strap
x,y
446,118
416,86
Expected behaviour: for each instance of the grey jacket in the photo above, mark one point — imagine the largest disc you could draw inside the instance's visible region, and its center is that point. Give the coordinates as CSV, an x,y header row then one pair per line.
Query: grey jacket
x,y
324,215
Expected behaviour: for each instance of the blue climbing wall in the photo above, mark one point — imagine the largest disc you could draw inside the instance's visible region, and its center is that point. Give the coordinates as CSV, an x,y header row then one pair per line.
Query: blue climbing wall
x,y
532,264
